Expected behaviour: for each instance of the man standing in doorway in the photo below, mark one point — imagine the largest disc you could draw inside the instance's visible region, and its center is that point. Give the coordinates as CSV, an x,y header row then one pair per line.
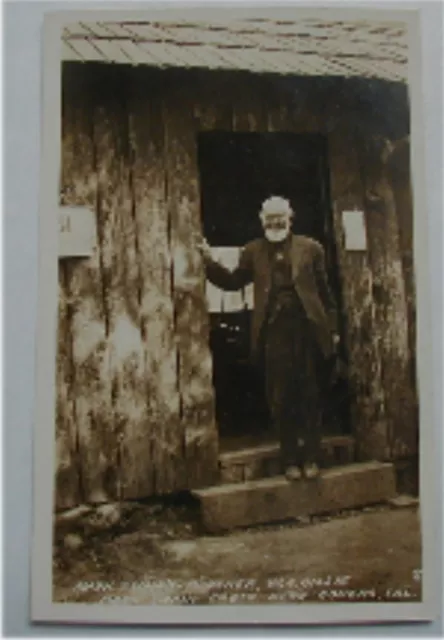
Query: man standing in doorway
x,y
294,329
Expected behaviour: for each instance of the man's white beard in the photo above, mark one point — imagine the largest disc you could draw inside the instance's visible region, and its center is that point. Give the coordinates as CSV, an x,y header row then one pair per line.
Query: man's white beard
x,y
274,235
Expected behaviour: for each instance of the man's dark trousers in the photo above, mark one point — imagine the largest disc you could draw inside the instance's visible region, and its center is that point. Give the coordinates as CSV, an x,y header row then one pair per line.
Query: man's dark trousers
x,y
293,375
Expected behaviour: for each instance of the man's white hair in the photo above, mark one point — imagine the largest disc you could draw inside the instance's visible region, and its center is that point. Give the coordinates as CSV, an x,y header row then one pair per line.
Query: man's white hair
x,y
275,205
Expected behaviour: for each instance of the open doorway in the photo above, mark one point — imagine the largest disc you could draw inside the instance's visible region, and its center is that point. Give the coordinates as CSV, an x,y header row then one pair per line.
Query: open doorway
x,y
237,172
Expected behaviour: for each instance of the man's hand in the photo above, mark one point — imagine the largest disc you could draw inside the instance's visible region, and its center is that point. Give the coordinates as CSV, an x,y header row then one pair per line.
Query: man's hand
x,y
203,246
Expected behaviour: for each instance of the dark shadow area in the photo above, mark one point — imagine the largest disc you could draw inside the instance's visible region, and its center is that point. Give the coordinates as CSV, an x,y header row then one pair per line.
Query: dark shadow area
x,y
238,172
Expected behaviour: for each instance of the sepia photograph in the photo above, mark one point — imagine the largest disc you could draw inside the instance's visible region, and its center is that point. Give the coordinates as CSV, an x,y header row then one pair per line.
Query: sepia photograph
x,y
236,405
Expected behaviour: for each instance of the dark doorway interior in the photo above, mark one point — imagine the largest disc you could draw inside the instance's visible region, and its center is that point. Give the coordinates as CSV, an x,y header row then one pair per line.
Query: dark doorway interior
x,y
238,171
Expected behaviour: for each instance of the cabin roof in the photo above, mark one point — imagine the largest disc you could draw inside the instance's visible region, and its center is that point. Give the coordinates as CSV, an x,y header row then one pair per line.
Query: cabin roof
x,y
307,46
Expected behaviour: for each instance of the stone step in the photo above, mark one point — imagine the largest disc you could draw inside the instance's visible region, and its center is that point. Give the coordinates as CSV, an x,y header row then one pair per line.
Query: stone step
x,y
263,461
275,499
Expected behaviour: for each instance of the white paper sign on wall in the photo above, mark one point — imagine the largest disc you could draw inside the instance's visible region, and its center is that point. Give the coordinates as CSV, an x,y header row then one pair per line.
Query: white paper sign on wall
x,y
353,223
77,232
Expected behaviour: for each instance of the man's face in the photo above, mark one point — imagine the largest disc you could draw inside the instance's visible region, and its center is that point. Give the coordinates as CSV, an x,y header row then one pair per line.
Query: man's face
x,y
276,226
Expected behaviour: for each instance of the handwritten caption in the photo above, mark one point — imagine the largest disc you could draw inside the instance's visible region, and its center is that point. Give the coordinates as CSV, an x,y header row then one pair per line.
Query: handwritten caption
x,y
245,590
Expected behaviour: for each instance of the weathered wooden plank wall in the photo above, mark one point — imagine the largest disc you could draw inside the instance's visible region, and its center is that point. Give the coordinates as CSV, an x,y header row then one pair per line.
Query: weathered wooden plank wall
x,y
197,408
66,489
153,460
400,177
389,295
135,399
356,276
109,140
90,383
375,290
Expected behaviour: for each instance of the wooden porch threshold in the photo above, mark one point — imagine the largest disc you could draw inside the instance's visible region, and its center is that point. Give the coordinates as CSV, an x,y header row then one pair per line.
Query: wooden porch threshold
x,y
275,499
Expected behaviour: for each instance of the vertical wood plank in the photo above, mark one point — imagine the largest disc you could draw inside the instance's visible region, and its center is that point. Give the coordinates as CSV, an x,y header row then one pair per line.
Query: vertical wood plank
x,y
362,337
90,355
66,490
67,479
191,316
154,458
126,441
400,178
390,301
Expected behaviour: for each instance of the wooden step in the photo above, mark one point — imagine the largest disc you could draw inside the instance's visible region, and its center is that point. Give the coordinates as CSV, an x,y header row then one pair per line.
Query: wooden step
x,y
263,461
275,499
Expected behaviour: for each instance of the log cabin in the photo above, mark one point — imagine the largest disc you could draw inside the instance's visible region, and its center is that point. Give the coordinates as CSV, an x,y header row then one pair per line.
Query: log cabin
x,y
174,129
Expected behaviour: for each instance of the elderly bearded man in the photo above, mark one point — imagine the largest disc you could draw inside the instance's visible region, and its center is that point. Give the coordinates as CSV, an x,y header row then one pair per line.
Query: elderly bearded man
x,y
293,329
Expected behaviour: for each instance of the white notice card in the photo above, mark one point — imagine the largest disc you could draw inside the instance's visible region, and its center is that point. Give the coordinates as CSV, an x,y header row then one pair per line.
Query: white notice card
x,y
353,224
77,232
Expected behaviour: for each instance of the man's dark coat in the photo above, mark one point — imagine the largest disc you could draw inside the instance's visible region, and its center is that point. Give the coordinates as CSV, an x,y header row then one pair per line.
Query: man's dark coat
x,y
309,278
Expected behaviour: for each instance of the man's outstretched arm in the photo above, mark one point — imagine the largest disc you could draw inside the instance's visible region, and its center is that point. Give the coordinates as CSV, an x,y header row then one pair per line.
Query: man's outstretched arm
x,y
224,278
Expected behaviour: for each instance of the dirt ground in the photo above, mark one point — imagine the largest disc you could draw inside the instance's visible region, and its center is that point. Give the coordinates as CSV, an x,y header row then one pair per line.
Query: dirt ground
x,y
157,555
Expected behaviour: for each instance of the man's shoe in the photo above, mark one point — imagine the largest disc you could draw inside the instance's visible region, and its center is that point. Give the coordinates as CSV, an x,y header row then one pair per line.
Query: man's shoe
x,y
293,473
311,471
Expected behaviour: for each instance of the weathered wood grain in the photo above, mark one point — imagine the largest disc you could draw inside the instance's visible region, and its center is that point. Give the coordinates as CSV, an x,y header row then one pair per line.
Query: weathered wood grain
x,y
154,451
135,401
67,478
361,334
390,301
400,179
197,410
66,490
276,500
90,352
126,434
